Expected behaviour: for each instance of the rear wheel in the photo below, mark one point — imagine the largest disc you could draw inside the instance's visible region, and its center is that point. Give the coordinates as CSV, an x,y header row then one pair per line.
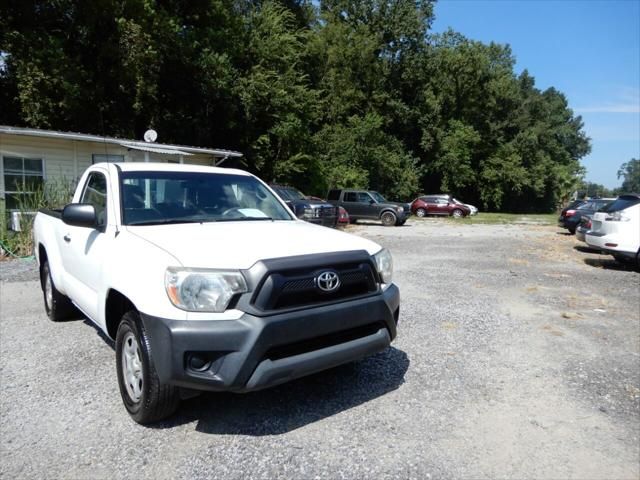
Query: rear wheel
x,y
145,397
57,305
388,219
457,213
421,212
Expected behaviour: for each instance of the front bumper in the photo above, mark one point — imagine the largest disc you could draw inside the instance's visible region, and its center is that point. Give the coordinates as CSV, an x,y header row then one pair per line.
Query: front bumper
x,y
256,352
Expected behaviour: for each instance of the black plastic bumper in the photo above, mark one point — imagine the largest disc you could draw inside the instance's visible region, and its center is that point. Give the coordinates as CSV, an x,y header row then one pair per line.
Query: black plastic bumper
x,y
255,352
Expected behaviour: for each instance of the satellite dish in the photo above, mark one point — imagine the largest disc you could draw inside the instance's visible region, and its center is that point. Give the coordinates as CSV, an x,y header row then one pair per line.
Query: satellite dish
x,y
150,136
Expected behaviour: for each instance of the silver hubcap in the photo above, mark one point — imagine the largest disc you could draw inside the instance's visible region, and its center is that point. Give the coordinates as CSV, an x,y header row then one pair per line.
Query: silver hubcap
x,y
132,367
457,214
420,212
48,291
387,219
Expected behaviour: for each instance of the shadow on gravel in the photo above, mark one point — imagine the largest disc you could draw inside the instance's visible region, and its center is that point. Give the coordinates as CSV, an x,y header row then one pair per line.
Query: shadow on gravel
x,y
100,333
378,224
608,264
585,249
295,404
564,234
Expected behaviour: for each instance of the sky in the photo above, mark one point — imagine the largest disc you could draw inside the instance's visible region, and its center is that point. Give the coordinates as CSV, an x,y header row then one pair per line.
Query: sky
x,y
587,49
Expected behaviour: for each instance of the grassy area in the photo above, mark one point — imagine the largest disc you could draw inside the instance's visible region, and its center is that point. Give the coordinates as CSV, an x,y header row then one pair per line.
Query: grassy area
x,y
484,218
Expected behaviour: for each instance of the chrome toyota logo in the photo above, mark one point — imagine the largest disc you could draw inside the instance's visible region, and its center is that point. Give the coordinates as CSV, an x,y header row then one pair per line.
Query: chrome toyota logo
x,y
328,281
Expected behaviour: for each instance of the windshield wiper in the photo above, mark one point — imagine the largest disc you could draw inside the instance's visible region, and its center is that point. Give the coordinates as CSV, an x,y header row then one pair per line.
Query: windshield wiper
x,y
170,221
244,219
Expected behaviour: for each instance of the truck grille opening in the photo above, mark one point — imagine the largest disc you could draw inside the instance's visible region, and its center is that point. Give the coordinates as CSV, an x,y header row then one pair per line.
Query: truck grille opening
x,y
297,288
318,343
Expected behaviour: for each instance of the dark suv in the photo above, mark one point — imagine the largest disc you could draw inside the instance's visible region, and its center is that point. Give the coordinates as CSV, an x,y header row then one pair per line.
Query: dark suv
x,y
439,205
369,205
312,210
570,217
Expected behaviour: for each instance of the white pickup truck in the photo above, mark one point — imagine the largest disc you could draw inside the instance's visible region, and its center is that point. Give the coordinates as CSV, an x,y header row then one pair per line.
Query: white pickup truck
x,y
207,281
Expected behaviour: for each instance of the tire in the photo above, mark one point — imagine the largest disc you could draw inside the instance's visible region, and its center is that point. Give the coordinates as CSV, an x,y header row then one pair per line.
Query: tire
x,y
421,212
57,305
572,230
638,260
388,218
145,397
457,213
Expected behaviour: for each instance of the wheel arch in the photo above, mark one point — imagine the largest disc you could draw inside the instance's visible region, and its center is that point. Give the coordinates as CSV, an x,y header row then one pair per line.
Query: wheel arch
x,y
116,305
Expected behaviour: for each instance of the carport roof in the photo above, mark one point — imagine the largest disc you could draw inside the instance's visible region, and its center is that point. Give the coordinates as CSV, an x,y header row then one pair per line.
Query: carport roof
x,y
84,137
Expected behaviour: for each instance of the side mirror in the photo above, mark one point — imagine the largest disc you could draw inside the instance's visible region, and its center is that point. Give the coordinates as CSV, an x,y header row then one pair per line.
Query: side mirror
x,y
80,215
371,202
290,205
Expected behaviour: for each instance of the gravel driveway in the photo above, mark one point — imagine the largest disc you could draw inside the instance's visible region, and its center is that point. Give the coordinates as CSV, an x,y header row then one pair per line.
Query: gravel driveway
x,y
518,356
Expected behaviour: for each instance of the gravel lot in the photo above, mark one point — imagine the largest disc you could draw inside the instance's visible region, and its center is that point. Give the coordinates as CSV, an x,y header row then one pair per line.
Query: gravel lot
x,y
518,356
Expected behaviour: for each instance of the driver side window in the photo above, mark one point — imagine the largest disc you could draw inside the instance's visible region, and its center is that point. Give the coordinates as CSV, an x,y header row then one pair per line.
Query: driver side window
x,y
363,197
95,193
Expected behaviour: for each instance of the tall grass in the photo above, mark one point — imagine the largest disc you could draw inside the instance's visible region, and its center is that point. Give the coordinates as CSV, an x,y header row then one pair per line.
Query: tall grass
x,y
55,193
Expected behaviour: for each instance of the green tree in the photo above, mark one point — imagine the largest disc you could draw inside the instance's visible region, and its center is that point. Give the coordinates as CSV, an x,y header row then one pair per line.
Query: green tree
x,y
630,173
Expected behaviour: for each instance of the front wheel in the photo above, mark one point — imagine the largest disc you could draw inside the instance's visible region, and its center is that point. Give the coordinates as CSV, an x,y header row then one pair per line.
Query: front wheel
x,y
388,219
457,213
145,397
421,212
57,305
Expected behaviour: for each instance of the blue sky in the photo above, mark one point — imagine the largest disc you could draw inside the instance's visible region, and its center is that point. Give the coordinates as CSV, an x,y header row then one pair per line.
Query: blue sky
x,y
587,49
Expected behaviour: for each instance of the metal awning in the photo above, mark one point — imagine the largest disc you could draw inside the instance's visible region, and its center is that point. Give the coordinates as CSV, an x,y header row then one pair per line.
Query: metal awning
x,y
145,148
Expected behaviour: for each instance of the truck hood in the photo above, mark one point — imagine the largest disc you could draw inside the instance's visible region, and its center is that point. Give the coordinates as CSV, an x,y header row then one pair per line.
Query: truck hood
x,y
239,245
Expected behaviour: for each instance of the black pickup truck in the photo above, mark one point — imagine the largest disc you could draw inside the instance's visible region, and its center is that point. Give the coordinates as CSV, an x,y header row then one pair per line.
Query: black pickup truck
x,y
370,205
311,210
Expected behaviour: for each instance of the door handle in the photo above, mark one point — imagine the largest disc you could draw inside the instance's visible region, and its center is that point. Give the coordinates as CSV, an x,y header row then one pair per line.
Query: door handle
x,y
67,238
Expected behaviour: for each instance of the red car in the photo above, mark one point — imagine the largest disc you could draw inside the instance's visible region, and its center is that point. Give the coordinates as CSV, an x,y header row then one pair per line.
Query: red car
x,y
438,205
343,217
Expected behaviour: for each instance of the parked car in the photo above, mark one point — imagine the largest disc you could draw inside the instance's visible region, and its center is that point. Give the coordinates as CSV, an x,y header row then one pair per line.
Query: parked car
x,y
369,205
443,205
570,217
615,229
343,217
311,209
583,227
206,281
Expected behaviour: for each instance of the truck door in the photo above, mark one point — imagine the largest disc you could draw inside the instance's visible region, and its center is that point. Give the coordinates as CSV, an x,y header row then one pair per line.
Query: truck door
x,y
84,249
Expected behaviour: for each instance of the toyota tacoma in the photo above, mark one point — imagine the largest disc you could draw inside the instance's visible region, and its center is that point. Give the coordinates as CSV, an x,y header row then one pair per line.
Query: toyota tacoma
x,y
206,280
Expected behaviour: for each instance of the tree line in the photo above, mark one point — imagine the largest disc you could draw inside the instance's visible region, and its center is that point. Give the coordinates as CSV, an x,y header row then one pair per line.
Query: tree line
x,y
337,93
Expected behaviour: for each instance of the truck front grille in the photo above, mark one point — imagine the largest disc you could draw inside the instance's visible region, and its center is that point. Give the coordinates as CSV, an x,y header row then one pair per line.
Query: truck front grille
x,y
297,288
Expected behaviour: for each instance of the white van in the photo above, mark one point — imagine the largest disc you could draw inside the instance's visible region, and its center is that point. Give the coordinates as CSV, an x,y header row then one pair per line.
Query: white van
x,y
615,229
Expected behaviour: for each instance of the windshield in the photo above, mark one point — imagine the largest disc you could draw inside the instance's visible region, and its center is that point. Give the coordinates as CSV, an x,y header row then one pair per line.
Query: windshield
x,y
152,198
378,198
293,194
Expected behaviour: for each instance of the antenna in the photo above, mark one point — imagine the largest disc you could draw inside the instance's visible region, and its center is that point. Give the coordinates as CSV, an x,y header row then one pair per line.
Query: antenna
x,y
150,136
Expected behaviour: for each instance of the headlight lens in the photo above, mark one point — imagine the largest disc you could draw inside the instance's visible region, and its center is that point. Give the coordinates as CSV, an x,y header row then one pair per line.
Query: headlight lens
x,y
384,264
199,290
399,209
308,212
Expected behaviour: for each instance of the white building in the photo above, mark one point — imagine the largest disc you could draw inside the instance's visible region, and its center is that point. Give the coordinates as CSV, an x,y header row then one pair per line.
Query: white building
x,y
30,156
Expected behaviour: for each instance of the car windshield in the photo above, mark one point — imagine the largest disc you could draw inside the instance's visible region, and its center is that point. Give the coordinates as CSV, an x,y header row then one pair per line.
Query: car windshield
x,y
378,198
154,198
293,193
455,200
621,203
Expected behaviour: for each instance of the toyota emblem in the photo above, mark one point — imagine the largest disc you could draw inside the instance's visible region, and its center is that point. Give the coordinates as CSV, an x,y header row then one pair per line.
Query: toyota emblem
x,y
328,281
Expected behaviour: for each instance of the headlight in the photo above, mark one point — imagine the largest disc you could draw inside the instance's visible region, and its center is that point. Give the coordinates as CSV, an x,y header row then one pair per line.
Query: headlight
x,y
384,265
199,290
307,212
399,209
